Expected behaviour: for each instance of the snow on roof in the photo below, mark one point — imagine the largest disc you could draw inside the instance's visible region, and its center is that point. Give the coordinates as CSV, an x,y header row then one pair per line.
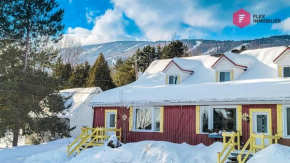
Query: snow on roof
x,y
259,82
282,53
75,98
247,91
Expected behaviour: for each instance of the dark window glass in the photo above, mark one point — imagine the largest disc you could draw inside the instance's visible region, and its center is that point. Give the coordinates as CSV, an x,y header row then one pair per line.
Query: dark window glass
x,y
112,120
143,119
286,71
288,121
157,119
225,76
224,119
262,125
204,119
173,79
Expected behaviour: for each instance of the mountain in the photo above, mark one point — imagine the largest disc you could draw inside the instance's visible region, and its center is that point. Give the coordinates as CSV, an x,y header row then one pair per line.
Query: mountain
x,y
123,49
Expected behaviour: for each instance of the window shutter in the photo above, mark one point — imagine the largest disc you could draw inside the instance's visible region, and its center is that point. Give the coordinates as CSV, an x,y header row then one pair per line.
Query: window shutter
x,y
161,119
131,119
279,71
239,110
178,79
232,75
166,78
279,121
197,112
216,76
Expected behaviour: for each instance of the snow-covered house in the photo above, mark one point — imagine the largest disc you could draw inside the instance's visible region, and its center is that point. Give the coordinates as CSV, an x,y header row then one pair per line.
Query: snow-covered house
x,y
79,113
185,99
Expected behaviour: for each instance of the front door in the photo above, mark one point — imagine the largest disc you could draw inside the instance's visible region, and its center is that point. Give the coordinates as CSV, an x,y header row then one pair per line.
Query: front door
x,y
261,125
111,122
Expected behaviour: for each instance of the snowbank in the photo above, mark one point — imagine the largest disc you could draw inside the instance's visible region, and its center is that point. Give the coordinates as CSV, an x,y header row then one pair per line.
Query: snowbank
x,y
19,154
145,151
275,153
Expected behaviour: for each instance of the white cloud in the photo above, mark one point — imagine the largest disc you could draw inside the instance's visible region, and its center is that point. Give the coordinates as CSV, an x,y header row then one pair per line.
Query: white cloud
x,y
108,27
158,20
284,26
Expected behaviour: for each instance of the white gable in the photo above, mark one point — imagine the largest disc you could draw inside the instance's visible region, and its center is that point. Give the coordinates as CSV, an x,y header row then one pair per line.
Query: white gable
x,y
284,60
224,64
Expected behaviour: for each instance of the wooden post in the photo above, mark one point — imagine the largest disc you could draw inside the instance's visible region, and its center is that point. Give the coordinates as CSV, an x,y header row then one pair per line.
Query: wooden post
x,y
253,142
224,138
219,157
263,139
233,141
239,141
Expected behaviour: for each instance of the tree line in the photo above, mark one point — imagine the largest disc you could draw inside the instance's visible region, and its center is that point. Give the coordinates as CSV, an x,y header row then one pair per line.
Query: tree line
x,y
122,72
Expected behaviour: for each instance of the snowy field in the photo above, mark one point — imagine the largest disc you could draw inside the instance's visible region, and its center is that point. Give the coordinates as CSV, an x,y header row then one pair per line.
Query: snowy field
x,y
144,151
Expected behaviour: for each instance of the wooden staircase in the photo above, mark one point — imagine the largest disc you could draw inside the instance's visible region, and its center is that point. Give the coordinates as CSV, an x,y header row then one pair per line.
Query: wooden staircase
x,y
234,157
91,137
241,156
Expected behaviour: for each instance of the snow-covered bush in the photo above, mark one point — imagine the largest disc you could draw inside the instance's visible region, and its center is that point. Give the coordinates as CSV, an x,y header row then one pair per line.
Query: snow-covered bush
x,y
113,142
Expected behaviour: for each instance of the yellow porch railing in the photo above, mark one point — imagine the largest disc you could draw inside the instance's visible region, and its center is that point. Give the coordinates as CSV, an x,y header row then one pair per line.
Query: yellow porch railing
x,y
91,137
223,155
252,146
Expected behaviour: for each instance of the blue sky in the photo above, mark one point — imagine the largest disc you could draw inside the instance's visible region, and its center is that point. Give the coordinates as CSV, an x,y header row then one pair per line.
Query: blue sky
x,y
99,21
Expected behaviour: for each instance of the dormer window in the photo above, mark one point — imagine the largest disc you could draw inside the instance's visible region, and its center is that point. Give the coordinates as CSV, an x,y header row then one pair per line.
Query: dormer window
x,y
225,76
286,72
173,79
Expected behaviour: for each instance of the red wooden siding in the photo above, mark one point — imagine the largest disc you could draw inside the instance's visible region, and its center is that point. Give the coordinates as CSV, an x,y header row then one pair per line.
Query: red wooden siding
x,y
179,125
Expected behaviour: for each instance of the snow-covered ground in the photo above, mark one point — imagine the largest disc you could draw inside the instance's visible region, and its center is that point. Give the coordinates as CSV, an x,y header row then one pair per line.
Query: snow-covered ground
x,y
20,153
144,151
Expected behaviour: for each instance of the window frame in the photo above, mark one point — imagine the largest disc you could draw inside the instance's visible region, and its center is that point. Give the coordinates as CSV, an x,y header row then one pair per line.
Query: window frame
x,y
283,70
230,71
211,117
284,120
168,76
152,119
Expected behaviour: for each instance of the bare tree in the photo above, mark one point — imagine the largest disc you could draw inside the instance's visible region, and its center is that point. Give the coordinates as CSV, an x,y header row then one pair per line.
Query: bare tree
x,y
71,50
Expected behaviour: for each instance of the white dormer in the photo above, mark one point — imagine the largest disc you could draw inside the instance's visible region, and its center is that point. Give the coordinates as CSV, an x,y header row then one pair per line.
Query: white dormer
x,y
283,63
175,74
227,69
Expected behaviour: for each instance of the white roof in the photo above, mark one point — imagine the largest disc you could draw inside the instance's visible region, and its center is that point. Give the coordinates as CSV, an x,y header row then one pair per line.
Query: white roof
x,y
258,83
75,98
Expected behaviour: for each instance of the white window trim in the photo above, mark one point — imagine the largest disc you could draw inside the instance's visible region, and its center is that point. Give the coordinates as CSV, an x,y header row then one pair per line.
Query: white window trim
x,y
210,116
168,75
230,71
284,121
152,119
283,70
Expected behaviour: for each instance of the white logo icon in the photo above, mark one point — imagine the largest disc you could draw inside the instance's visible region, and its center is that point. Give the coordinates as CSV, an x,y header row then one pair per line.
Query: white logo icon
x,y
241,18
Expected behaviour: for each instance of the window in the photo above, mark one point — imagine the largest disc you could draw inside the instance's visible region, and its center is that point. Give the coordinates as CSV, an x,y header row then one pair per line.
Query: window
x,y
173,79
224,119
217,118
225,76
286,71
204,112
287,119
147,119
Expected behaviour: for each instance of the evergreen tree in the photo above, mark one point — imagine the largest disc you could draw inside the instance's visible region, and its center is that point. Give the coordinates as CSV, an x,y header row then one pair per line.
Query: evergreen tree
x,y
174,49
28,95
99,75
125,73
31,24
146,56
79,75
27,100
63,72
